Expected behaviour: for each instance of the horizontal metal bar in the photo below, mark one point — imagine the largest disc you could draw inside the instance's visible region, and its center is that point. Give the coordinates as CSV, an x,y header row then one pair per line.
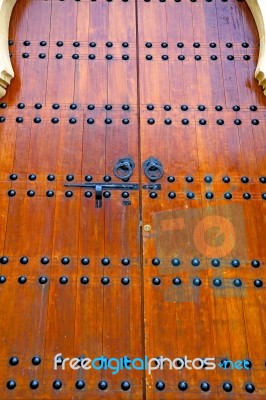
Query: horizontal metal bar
x,y
111,186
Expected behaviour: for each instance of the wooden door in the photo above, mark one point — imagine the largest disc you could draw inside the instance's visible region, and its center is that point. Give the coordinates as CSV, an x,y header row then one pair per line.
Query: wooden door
x,y
174,267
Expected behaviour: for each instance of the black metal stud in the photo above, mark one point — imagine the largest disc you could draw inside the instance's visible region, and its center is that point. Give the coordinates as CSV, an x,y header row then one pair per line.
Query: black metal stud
x,y
172,195
57,385
209,195
43,280
237,282
34,384
255,263
4,260
216,262
205,387
156,261
105,280
63,280
250,388
102,385
36,360
160,385
22,280
217,282
85,261
182,386
228,196
24,260
195,262
235,263
227,387
175,262
177,281
125,280
11,384
13,361
258,283
84,280
156,281
2,279
105,261
125,385
80,384
196,282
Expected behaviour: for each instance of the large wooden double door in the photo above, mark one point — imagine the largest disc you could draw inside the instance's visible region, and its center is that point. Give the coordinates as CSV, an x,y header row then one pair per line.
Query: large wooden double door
x,y
172,266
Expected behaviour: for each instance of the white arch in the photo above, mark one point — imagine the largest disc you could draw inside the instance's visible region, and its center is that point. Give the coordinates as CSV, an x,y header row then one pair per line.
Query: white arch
x,y
258,9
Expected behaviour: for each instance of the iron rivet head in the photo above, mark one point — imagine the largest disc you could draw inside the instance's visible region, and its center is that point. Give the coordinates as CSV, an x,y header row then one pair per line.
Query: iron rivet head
x,y
22,280
45,260
70,178
208,179
92,44
125,281
196,45
168,121
125,107
148,45
180,45
56,106
108,56
150,107
49,193
80,385
13,361
172,195
36,360
125,385
88,194
171,179
214,57
195,262
73,106
190,195
125,261
253,108
37,120
236,108
108,107
24,260
69,193
153,195
11,385
227,387
105,261
220,121
105,280
189,179
230,57
216,262
57,385
102,385
246,196
108,121
218,108
237,282
43,43
59,56
88,178
2,279
65,260
244,179
202,121
3,105
125,121
255,263
25,55
84,280
209,195
175,262
31,193
258,283
156,281
250,388
63,280
226,179
263,179
181,57
167,107
51,177
185,121
42,55
201,107
38,106
85,261
13,177
60,43
125,56
205,387
125,195
165,56
184,107
4,260
11,193
91,107
72,120
109,44
151,121
228,196
156,261
197,57
245,45
237,121
160,385
55,120
43,280
212,45
235,263
255,122
182,386
196,282
217,282
19,120
106,194
177,281
32,177
125,44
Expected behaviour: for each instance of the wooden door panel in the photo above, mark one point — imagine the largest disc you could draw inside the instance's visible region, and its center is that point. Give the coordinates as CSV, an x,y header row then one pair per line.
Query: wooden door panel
x,y
186,319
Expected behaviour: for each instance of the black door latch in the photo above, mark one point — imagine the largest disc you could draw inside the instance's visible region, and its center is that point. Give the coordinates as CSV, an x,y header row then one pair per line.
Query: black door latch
x,y
99,187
